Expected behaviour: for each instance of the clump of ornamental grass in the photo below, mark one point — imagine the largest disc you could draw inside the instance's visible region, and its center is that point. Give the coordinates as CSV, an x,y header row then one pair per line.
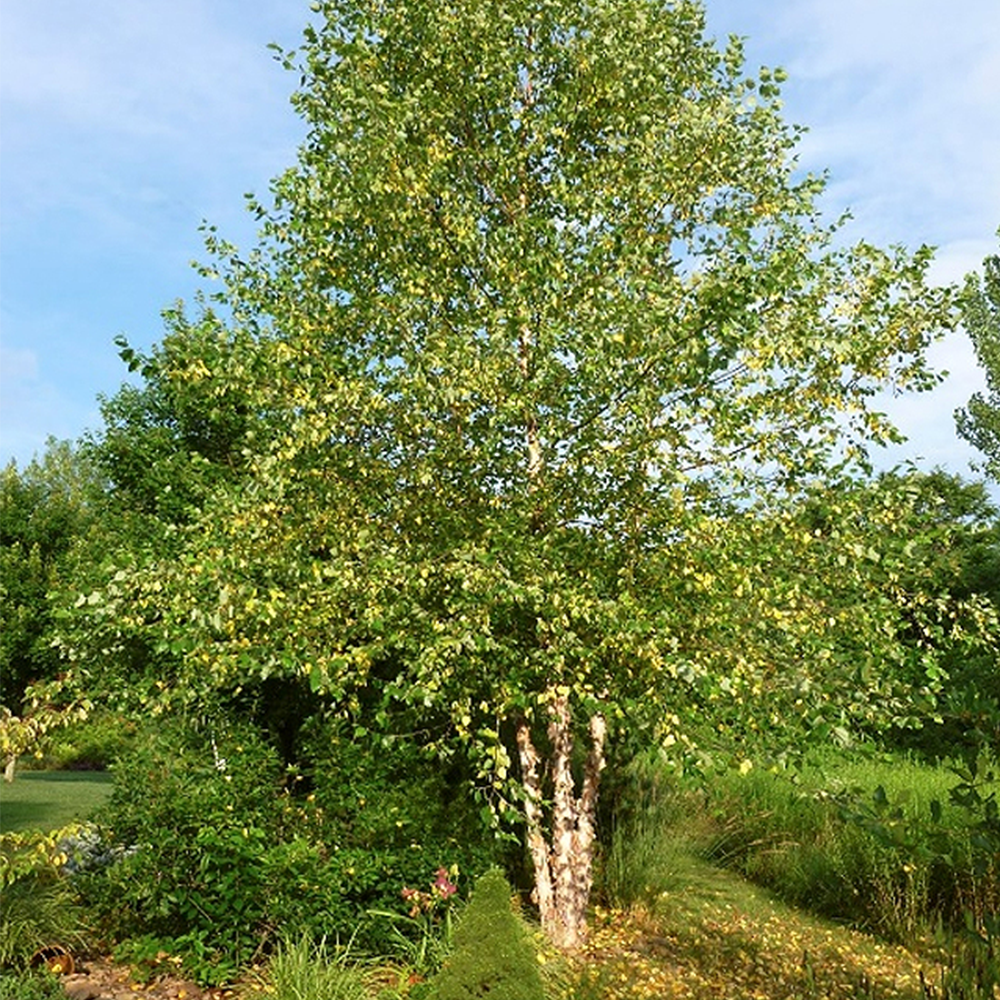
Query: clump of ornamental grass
x,y
654,831
30,984
305,969
38,905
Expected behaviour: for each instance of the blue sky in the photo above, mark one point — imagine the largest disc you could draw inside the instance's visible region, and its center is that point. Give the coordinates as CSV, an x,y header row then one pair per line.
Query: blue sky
x,y
124,124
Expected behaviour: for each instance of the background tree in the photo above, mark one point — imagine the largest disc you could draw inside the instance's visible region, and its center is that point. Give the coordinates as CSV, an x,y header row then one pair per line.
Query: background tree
x,y
979,422
45,509
544,298
167,443
862,609
954,563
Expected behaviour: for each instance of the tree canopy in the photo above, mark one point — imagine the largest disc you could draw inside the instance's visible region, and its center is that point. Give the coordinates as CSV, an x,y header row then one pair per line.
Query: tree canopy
x,y
544,311
979,422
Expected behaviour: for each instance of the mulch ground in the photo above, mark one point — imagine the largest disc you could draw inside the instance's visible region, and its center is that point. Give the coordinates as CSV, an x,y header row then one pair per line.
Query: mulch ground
x,y
102,979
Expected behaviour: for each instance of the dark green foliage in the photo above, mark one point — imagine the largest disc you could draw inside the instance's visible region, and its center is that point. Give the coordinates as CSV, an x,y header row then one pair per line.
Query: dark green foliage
x,y
971,966
493,956
167,444
220,857
43,510
214,858
90,745
392,814
394,795
192,817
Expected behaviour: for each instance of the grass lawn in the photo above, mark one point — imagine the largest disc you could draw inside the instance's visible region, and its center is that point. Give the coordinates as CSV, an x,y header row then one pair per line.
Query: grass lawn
x,y
45,800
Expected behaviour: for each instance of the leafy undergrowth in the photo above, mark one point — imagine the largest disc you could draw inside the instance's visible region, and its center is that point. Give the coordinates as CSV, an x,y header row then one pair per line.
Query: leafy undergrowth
x,y
716,936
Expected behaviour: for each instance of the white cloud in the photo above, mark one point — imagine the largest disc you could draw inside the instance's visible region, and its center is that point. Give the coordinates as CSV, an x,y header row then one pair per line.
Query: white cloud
x,y
111,102
140,70
853,36
927,419
954,260
903,95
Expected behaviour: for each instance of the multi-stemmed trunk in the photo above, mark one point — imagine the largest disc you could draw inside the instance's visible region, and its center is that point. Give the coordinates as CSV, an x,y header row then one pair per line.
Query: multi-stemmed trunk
x,y
564,865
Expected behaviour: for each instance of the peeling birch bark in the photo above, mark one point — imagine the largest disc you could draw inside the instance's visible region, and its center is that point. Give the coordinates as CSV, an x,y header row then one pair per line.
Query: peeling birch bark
x,y
534,815
564,867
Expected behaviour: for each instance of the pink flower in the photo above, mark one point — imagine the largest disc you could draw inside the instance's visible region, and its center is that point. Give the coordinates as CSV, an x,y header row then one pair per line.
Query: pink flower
x,y
443,885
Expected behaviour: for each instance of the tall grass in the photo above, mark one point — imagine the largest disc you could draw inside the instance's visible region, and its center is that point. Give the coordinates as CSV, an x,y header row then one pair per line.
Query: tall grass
x,y
971,966
304,969
37,910
38,905
799,846
30,984
850,838
654,831
854,839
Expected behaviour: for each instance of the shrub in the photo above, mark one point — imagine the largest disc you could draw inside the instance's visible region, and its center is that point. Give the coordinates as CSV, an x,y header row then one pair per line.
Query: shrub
x,y
189,824
92,744
424,935
493,953
217,860
391,816
393,795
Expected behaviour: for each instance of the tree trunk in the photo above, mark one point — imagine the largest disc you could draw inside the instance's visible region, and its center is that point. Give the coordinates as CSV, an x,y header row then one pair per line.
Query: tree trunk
x,y
564,867
8,769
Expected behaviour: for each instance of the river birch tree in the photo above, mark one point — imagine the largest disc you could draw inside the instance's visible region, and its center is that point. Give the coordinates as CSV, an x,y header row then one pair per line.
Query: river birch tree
x,y
544,288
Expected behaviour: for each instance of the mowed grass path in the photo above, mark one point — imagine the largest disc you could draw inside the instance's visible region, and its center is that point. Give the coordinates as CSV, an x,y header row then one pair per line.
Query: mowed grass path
x,y
713,935
45,800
